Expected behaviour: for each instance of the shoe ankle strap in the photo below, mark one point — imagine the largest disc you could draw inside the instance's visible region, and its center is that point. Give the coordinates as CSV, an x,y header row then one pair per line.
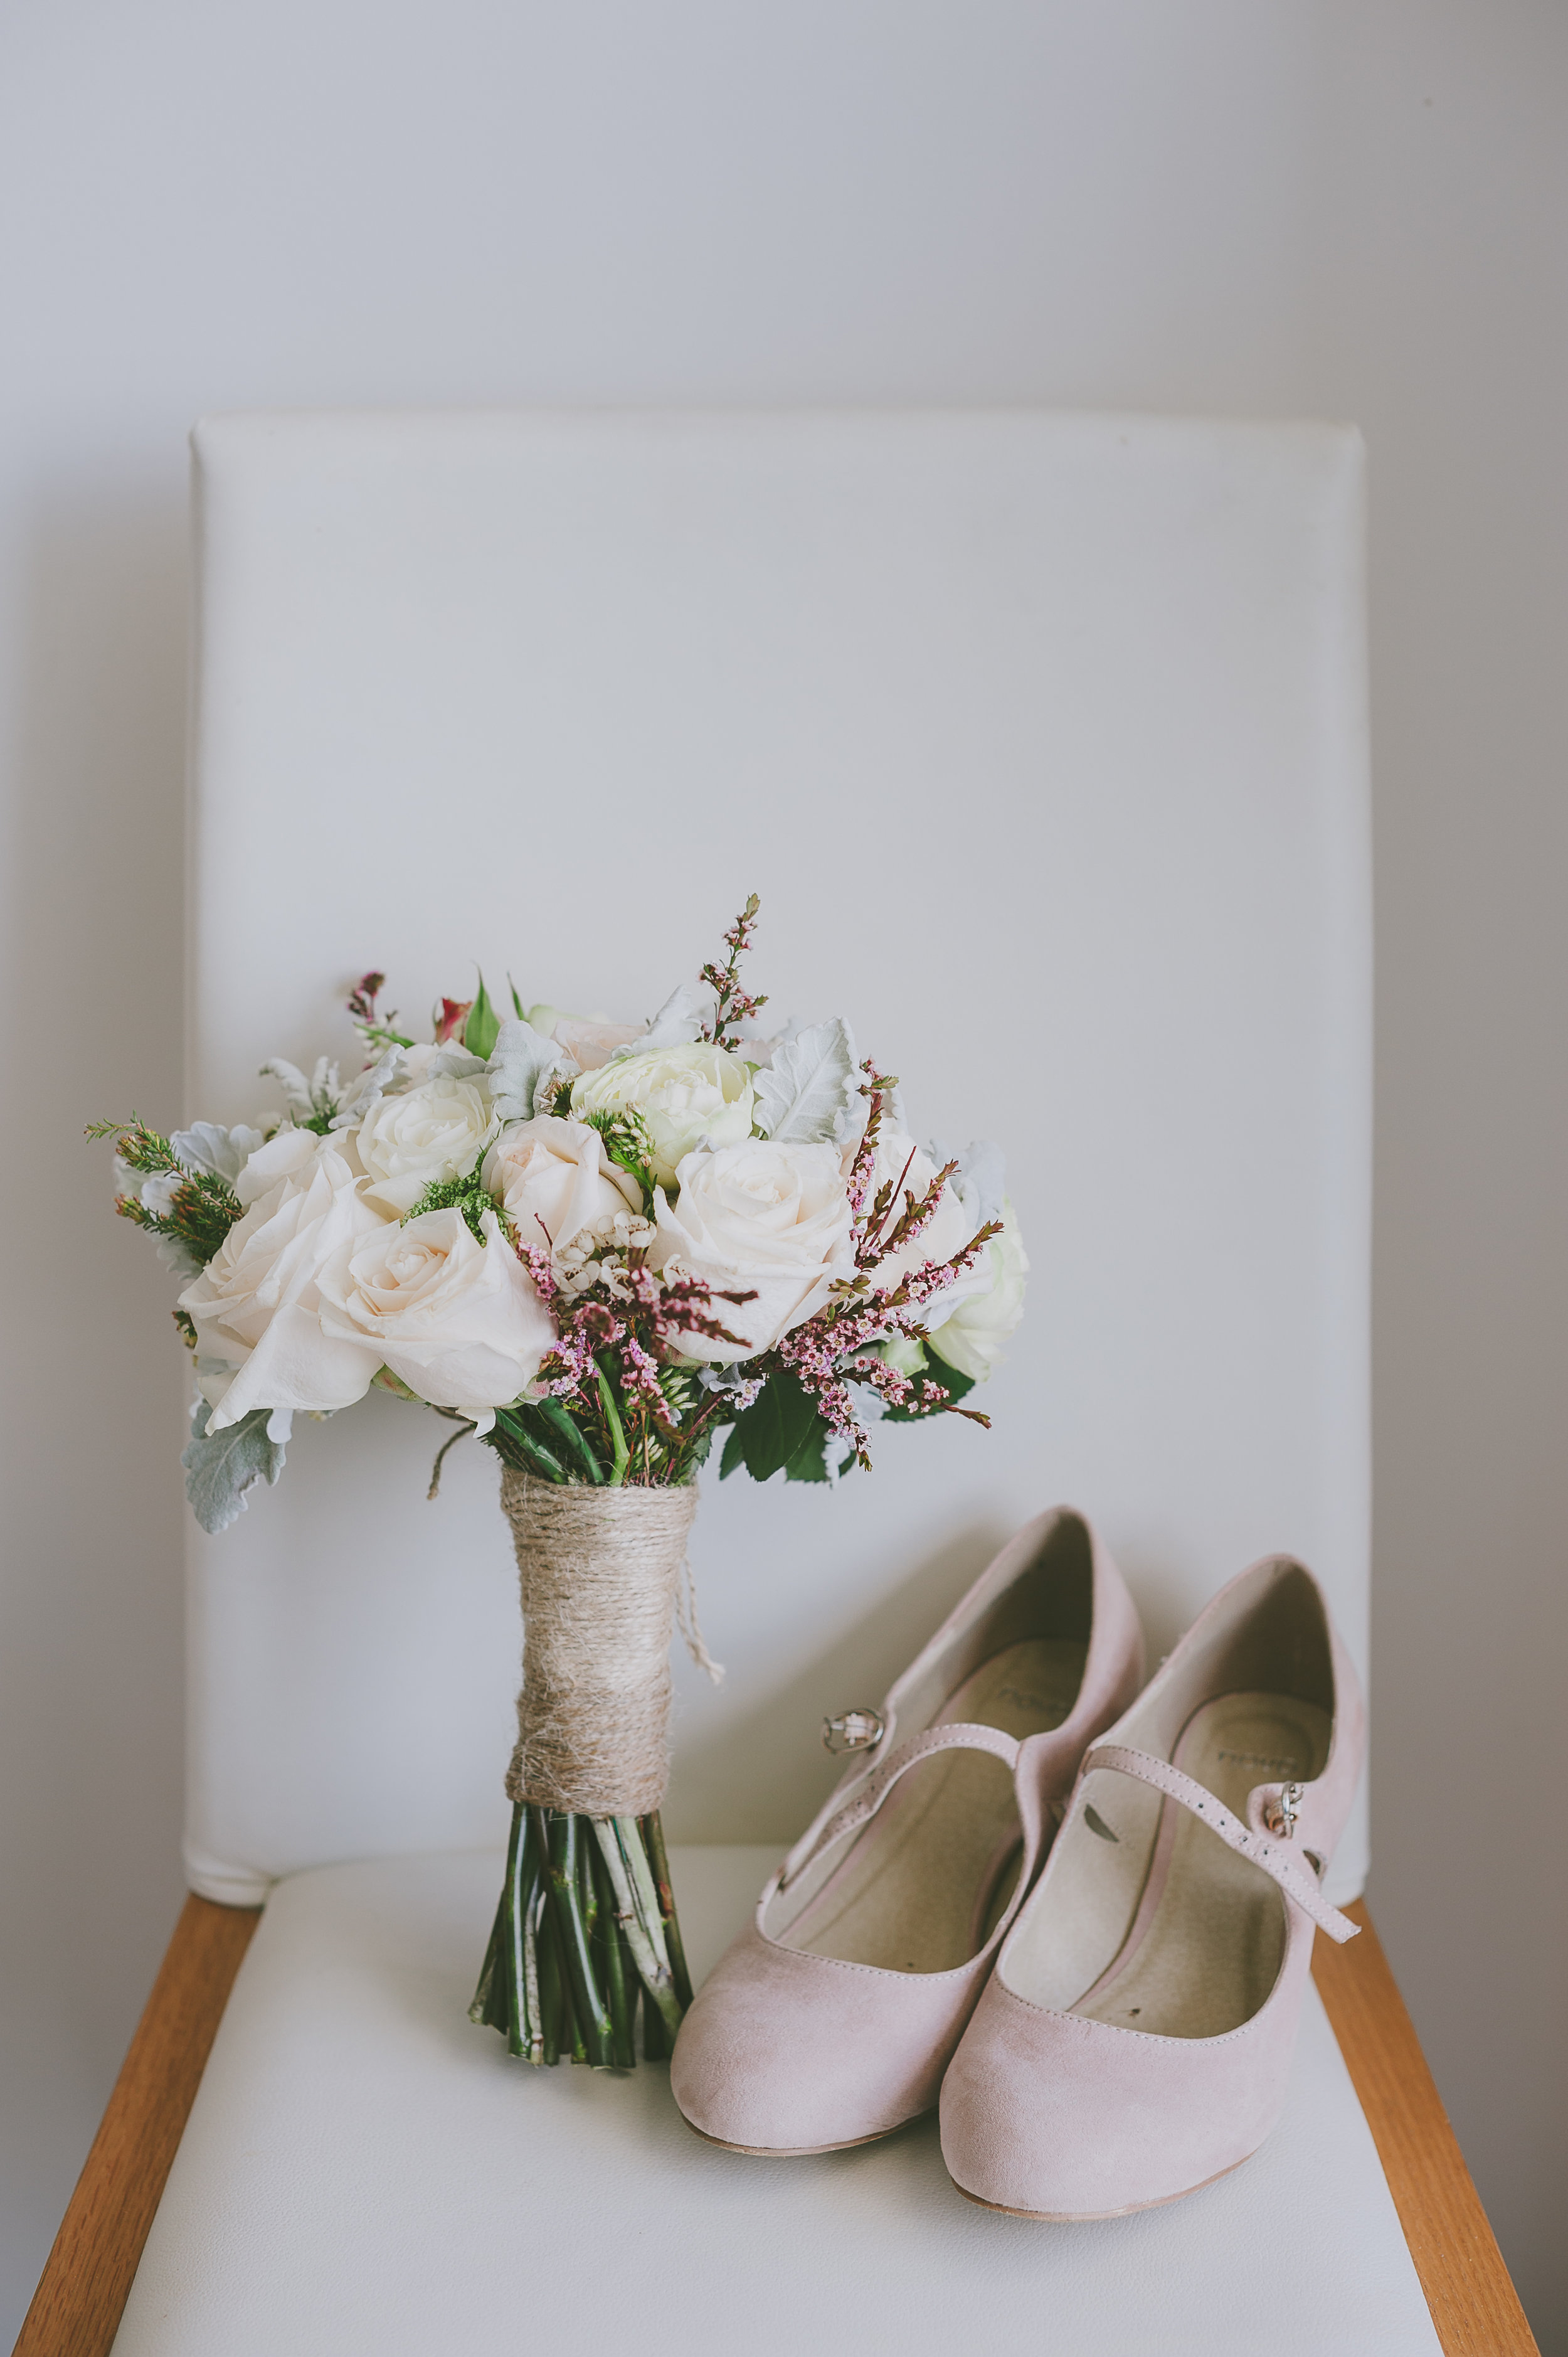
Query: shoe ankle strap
x,y
956,1735
1285,1866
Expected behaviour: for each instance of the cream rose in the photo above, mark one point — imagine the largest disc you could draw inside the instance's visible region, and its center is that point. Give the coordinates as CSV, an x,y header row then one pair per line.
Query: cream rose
x,y
256,1304
429,1133
763,1218
972,1338
591,1043
554,1178
685,1096
457,1320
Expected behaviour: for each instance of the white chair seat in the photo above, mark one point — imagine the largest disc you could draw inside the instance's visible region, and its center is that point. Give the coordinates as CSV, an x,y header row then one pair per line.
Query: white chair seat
x,y
365,2172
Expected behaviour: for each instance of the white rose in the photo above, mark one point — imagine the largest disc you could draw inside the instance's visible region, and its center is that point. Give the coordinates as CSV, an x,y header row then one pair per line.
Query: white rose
x,y
457,1320
685,1096
429,1133
553,1178
256,1304
759,1217
973,1337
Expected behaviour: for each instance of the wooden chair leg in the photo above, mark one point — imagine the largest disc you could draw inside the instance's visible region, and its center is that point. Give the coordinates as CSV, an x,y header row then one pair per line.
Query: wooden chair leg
x,y
1475,2308
76,2308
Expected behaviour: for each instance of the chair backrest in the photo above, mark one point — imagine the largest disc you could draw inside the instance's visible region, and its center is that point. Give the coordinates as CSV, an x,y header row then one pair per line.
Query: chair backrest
x,y
1042,739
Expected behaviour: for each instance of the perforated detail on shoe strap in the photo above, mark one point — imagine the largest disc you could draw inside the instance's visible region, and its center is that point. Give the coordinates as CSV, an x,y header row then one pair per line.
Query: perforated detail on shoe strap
x,y
1277,1859
957,1735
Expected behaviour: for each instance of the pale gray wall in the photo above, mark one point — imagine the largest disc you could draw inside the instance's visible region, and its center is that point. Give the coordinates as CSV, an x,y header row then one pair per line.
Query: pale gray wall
x,y
1226,205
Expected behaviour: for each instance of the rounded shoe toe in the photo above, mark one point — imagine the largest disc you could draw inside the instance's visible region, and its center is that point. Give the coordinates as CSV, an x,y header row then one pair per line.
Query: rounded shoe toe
x,y
1055,2116
784,2052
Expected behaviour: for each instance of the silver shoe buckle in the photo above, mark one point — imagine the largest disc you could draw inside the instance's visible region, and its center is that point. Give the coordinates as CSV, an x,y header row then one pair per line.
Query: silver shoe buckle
x,y
855,1730
1281,1813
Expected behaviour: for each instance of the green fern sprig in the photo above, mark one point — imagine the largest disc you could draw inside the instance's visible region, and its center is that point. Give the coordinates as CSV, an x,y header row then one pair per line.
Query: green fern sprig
x,y
201,1209
468,1195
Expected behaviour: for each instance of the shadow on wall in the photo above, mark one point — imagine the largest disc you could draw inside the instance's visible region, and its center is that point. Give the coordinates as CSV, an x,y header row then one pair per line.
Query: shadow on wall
x,y
858,1666
759,1772
90,1641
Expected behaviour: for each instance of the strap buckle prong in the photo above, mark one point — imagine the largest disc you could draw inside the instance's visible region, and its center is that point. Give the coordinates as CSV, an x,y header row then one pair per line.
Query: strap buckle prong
x,y
853,1730
1280,1814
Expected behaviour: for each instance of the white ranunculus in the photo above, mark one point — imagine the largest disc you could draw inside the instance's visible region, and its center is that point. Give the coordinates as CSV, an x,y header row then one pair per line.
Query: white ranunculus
x,y
256,1304
757,1217
457,1320
431,1133
554,1179
686,1096
972,1338
951,1224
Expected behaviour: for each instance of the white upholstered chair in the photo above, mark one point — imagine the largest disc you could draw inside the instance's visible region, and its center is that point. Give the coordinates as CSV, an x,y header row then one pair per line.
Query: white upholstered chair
x,y
1043,740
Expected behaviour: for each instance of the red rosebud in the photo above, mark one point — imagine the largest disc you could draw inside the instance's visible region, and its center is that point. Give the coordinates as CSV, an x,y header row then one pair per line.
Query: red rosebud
x,y
450,1021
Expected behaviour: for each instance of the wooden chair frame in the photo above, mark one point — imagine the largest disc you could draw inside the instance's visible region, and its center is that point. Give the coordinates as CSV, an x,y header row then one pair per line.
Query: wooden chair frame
x,y
77,2308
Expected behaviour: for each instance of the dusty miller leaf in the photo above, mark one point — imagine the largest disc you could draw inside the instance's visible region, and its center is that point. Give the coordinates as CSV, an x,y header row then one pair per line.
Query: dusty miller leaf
x,y
296,1087
207,1146
808,1093
384,1078
678,1022
222,1468
522,1057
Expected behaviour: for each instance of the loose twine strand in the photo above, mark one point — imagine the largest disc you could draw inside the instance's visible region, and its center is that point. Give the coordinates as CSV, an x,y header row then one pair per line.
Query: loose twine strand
x,y
600,1572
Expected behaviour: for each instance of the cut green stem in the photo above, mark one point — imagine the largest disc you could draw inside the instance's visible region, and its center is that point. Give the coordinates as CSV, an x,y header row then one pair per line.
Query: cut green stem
x,y
559,1837
652,1830
621,1987
638,1913
585,1930
616,1430
554,2008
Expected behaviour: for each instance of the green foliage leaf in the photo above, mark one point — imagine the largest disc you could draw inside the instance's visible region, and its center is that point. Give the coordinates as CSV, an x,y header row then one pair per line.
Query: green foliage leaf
x,y
480,1032
512,1439
222,1468
553,1413
780,1431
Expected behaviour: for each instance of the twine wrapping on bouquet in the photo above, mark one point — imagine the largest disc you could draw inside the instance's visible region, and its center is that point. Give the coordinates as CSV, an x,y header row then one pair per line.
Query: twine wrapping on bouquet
x,y
600,1571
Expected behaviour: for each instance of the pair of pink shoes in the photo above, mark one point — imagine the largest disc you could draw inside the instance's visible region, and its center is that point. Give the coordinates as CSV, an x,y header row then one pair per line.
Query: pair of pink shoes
x,y
1108,2032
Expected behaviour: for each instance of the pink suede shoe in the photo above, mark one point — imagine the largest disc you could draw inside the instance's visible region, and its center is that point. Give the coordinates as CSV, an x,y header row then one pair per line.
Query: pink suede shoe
x,y
830,2020
1135,2040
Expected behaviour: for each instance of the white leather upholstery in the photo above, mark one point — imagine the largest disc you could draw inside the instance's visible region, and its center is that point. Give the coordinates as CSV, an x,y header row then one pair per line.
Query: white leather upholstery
x,y
1042,739
365,2175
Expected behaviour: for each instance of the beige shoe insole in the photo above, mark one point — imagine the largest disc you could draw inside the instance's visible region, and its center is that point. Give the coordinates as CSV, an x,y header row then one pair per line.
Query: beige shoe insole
x,y
930,1873
1205,1945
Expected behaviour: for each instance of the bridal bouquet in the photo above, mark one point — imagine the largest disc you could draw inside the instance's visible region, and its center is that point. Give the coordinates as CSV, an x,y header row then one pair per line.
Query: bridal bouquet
x,y
596,1246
